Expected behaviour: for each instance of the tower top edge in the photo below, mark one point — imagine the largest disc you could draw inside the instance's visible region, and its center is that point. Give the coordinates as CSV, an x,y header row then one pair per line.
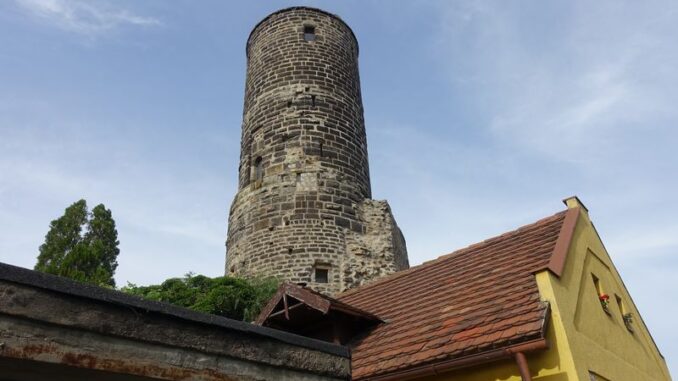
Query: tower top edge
x,y
298,8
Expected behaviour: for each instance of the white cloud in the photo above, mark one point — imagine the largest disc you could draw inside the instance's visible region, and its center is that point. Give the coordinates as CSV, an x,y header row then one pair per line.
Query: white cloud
x,y
84,17
582,75
586,90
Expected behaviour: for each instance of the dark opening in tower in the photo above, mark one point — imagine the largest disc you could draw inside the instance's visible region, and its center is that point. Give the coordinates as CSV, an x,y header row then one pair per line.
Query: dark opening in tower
x,y
321,275
309,33
258,169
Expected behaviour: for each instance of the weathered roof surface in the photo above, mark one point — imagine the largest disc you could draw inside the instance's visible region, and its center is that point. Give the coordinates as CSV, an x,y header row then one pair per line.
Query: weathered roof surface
x,y
300,310
476,299
310,298
69,287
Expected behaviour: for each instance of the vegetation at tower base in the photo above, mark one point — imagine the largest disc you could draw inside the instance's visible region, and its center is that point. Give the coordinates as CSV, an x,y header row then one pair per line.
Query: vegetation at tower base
x,y
90,257
231,297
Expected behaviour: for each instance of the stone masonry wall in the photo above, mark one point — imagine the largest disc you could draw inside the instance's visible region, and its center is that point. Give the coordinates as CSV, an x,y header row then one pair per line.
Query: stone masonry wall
x,y
304,187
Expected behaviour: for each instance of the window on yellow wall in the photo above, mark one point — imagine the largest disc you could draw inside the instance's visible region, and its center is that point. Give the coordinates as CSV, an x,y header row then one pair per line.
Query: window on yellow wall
x,y
603,298
626,315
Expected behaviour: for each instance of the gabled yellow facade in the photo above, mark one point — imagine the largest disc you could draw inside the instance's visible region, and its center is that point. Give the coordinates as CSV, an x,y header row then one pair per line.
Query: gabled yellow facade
x,y
587,342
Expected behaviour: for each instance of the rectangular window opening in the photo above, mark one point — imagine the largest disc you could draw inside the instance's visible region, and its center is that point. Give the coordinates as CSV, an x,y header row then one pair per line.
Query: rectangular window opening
x,y
620,303
603,298
258,169
309,33
596,282
321,275
627,317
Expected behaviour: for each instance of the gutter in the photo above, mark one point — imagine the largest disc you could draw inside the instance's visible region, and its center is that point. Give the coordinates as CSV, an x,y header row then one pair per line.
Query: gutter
x,y
515,351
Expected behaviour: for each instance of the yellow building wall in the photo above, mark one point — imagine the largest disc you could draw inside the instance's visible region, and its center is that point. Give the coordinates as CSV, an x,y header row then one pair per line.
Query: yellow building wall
x,y
583,338
599,341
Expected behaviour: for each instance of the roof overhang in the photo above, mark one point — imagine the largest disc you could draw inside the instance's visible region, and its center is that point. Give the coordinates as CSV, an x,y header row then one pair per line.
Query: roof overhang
x,y
305,312
450,365
504,352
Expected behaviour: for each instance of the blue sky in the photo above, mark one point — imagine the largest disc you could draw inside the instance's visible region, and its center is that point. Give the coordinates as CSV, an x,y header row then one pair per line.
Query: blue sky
x,y
481,116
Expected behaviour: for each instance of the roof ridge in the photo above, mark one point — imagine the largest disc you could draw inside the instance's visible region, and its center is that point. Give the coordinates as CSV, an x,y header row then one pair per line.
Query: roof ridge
x,y
426,264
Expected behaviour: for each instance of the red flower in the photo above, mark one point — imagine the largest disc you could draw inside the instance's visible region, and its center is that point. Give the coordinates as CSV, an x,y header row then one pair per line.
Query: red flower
x,y
604,297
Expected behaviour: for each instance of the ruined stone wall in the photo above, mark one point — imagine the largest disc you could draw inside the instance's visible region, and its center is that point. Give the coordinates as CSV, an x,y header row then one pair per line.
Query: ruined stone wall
x,y
304,187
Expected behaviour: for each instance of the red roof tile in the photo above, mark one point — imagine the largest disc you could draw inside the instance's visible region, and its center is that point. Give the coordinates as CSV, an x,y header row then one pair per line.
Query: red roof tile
x,y
482,297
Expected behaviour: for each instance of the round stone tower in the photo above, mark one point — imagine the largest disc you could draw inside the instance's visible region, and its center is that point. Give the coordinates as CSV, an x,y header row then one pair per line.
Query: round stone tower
x,y
303,211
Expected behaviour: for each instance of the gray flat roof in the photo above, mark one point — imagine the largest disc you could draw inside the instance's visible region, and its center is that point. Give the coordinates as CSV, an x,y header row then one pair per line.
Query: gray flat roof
x,y
67,286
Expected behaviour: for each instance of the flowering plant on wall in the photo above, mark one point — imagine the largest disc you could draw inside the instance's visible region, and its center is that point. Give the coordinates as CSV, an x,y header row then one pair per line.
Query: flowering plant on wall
x,y
628,318
604,301
628,321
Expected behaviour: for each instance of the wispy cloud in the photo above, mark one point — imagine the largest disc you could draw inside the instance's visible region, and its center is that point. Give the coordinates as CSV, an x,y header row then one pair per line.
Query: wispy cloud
x,y
560,77
586,91
89,18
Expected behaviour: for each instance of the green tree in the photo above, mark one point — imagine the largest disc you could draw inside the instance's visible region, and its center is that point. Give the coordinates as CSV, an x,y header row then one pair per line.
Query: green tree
x,y
231,297
90,257
63,236
102,240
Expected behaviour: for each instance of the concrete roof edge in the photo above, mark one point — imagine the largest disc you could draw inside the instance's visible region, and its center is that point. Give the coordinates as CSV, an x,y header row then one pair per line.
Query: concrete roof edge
x,y
66,286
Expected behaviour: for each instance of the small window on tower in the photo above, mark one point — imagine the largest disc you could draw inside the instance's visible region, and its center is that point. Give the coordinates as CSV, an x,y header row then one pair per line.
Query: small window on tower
x,y
309,33
258,169
321,275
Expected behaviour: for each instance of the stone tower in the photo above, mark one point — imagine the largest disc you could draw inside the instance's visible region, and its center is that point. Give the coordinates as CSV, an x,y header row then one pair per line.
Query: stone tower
x,y
303,211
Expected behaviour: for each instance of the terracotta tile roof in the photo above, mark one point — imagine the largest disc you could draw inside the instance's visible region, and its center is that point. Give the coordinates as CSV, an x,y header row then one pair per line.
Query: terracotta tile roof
x,y
476,299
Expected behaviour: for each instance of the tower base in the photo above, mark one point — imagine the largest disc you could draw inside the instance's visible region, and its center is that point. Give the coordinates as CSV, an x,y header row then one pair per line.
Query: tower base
x,y
327,256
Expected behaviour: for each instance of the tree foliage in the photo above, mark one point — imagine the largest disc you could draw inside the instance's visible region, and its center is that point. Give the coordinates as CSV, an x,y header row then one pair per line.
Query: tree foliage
x,y
231,297
90,257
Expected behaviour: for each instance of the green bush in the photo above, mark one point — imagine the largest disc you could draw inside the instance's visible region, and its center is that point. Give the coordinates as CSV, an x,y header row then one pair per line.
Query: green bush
x,y
234,298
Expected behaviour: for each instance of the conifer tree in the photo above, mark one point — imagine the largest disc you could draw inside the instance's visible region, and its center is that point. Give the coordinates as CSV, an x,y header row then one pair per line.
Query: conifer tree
x,y
62,238
90,257
102,240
